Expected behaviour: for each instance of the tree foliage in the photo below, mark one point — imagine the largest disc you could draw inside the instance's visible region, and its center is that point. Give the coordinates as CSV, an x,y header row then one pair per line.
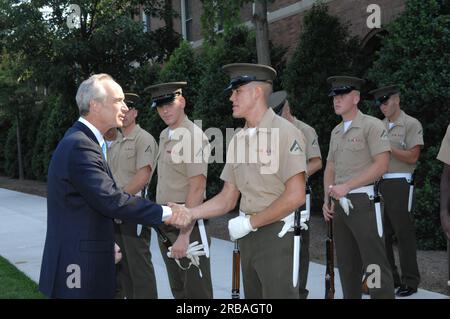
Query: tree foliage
x,y
415,55
51,55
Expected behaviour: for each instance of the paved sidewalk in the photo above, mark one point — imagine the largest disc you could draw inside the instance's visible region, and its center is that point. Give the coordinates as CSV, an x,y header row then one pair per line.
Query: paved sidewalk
x,y
22,235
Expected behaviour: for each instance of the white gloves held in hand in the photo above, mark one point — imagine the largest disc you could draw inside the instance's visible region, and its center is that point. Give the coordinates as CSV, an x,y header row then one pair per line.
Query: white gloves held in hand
x,y
346,204
193,253
240,226
289,221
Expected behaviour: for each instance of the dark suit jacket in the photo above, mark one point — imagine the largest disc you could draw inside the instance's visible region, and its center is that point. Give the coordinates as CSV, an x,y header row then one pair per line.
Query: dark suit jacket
x,y
82,201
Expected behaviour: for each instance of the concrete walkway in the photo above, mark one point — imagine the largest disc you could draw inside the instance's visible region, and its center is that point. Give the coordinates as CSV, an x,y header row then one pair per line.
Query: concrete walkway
x,y
22,234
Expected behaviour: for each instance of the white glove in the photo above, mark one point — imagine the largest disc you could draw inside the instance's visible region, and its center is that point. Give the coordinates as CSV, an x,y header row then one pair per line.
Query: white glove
x,y
304,217
138,230
289,221
239,226
194,251
346,204
117,254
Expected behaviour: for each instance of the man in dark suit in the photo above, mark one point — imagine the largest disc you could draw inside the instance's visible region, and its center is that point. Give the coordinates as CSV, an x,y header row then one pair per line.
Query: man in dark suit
x,y
83,200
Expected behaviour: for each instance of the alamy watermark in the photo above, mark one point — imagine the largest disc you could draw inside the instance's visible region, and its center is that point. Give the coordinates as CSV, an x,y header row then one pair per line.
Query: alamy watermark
x,y
249,146
373,279
74,278
374,19
73,19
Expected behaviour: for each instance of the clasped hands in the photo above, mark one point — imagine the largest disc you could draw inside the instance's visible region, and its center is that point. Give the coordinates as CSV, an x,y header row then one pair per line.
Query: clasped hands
x,y
338,192
181,216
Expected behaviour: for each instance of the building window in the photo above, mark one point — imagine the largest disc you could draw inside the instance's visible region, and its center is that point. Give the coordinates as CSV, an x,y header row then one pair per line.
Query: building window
x,y
146,21
186,19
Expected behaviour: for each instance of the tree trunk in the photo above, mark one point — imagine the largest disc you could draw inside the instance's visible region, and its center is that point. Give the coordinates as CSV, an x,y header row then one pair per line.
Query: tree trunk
x,y
262,32
19,148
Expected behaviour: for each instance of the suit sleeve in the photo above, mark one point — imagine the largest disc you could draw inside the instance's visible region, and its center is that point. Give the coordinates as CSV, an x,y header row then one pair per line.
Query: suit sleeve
x,y
88,174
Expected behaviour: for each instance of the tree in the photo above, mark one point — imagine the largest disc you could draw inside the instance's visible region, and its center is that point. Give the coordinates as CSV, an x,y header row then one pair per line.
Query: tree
x,y
415,55
17,104
226,14
315,59
262,32
56,56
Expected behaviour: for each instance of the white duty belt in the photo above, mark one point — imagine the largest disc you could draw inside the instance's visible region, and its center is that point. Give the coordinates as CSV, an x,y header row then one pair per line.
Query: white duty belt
x,y
369,190
410,179
407,176
364,190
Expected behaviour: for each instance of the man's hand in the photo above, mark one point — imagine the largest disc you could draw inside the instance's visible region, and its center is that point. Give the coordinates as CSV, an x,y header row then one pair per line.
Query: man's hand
x,y
180,247
338,191
445,222
193,253
328,210
289,223
239,227
181,217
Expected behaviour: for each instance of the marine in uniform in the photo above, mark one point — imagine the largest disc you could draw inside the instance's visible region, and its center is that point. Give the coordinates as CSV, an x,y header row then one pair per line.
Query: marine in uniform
x,y
397,185
358,156
132,160
444,157
182,180
279,103
265,165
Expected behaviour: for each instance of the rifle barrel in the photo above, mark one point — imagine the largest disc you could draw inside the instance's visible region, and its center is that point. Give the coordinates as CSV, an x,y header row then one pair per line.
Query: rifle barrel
x,y
236,282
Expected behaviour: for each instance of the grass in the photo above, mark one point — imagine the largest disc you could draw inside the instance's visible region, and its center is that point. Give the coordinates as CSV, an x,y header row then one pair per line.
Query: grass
x,y
15,285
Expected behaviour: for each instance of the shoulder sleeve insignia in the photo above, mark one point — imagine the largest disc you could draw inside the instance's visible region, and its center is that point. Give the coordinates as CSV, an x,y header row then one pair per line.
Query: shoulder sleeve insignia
x,y
296,148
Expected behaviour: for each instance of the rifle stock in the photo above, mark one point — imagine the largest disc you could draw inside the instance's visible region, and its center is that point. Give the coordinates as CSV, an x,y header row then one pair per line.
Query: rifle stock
x,y
329,274
236,280
164,239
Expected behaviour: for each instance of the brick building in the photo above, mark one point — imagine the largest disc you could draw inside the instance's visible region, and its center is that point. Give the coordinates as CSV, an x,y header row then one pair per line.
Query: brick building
x,y
285,19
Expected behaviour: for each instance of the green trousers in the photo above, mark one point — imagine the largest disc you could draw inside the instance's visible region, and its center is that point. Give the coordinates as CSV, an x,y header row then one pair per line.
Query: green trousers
x,y
135,273
359,247
399,223
266,263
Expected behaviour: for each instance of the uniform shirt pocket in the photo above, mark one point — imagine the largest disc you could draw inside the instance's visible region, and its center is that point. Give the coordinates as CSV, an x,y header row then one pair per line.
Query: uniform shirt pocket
x,y
355,146
130,152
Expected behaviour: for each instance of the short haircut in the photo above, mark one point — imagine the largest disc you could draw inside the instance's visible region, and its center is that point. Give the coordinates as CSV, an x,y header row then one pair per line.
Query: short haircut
x,y
91,89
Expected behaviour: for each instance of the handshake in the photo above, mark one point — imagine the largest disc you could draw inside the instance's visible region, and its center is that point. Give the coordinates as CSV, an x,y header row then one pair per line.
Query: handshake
x,y
177,215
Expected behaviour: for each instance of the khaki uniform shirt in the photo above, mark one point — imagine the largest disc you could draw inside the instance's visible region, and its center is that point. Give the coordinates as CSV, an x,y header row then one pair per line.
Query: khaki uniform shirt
x,y
352,151
406,133
129,154
181,157
444,151
311,139
259,165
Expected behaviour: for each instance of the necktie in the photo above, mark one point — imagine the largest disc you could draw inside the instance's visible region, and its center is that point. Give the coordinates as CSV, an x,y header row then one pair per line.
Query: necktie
x,y
104,150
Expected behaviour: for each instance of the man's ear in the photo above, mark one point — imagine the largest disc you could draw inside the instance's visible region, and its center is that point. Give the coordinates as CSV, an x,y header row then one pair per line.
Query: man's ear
x,y
258,91
397,99
356,97
183,101
94,106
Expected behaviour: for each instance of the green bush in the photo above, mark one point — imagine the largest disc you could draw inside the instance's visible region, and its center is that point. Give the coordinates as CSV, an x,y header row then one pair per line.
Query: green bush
x,y
415,55
10,165
62,114
39,160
